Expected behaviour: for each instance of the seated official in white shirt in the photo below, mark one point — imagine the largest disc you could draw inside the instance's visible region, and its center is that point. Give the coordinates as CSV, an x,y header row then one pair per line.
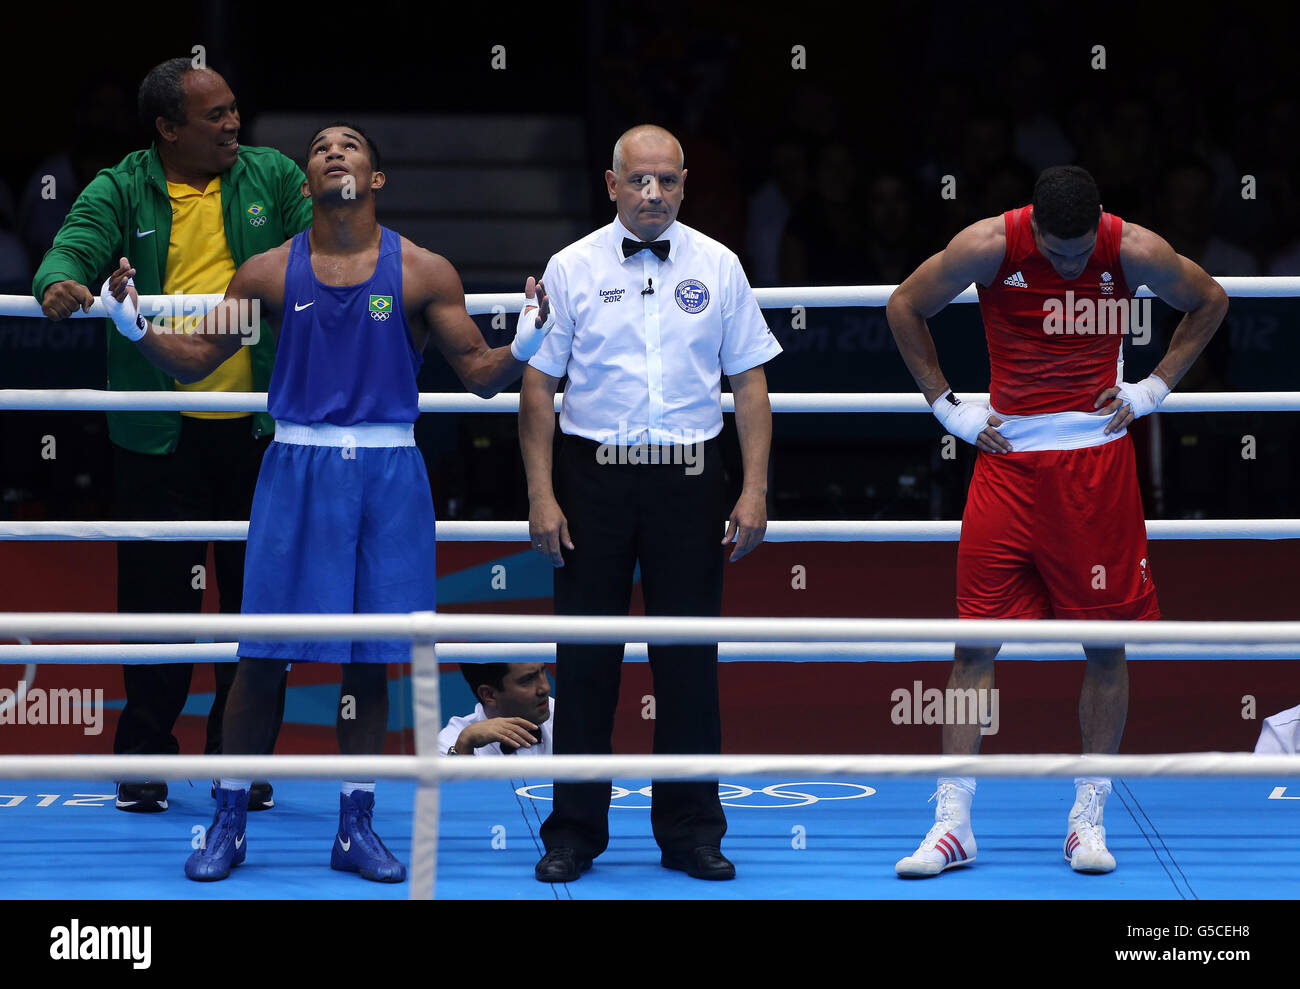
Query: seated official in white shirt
x,y
1280,734
513,715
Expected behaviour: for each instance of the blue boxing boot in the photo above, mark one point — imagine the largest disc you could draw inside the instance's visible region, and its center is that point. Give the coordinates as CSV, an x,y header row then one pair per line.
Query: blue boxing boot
x,y
224,846
357,848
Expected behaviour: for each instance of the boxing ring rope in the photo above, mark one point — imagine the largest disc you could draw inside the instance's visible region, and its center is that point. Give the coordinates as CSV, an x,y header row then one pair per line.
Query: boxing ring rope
x,y
429,769
835,531
810,297
652,629
98,400
728,652
750,638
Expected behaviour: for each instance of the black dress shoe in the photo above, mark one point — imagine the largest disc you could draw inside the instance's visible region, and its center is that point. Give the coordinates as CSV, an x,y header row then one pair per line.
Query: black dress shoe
x,y
561,865
705,862
142,798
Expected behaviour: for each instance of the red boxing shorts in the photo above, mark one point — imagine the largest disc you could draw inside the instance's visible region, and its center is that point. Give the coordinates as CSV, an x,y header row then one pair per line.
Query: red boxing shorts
x,y
1056,534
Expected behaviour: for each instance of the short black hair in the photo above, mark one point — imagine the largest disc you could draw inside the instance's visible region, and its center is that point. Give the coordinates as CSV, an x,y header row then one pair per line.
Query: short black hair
x,y
1067,202
370,143
162,94
477,674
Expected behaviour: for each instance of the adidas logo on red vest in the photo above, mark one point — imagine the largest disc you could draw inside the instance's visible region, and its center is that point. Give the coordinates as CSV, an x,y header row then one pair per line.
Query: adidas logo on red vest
x,y
1016,281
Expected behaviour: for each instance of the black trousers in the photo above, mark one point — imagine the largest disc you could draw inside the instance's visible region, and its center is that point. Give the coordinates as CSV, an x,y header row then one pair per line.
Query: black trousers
x,y
671,523
209,476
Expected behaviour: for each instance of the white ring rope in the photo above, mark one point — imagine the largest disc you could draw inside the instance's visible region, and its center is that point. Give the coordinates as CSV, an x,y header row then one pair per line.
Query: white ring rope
x,y
728,652
812,297
94,399
426,626
797,531
429,770
850,296
481,304
433,769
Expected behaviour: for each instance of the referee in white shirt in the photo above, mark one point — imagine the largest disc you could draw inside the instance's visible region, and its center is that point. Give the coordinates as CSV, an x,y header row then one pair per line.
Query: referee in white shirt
x,y
649,315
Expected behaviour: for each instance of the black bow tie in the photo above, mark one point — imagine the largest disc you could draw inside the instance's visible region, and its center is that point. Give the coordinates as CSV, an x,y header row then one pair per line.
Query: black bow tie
x,y
659,247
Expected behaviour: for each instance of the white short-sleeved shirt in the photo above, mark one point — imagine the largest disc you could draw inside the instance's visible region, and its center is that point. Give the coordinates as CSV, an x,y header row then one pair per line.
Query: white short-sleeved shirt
x,y
447,737
647,368
1280,734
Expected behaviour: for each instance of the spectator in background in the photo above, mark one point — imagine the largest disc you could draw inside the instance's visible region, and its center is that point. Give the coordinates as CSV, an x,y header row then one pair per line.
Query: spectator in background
x,y
1037,138
771,207
1009,183
1182,122
1079,121
823,241
100,136
980,144
1186,204
513,714
15,269
1123,155
1278,191
892,250
1286,261
934,133
986,143
188,210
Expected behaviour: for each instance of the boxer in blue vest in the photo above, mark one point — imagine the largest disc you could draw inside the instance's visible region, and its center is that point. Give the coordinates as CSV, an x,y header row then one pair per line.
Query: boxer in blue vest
x,y
342,519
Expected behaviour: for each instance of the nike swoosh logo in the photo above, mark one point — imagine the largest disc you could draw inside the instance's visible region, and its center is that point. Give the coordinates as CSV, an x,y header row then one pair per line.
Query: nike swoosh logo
x,y
239,842
298,308
144,233
345,845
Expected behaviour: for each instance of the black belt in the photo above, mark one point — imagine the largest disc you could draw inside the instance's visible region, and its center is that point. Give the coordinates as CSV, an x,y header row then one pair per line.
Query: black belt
x,y
583,443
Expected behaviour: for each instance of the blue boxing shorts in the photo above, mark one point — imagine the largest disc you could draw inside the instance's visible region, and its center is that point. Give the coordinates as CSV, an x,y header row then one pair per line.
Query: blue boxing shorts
x,y
342,523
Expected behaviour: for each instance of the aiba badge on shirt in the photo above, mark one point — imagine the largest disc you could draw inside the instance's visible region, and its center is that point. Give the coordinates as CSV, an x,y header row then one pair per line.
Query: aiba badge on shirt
x,y
691,295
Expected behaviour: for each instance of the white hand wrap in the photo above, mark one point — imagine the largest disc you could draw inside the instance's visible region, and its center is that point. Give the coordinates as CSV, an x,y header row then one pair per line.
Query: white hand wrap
x,y
965,420
528,335
1144,396
124,315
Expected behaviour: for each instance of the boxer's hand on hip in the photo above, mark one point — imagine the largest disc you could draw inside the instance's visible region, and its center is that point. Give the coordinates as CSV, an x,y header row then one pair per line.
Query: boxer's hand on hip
x,y
1131,400
970,421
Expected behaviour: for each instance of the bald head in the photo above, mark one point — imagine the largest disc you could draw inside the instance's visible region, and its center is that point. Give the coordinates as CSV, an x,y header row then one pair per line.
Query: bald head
x,y
647,180
645,138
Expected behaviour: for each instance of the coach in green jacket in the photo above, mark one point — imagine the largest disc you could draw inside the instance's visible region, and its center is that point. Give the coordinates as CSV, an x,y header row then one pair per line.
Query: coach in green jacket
x,y
187,211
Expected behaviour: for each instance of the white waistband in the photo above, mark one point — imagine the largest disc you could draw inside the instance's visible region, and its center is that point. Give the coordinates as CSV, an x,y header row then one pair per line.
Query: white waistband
x,y
1056,431
361,434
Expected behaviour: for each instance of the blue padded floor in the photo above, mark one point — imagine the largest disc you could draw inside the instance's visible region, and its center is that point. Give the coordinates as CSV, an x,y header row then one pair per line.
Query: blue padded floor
x,y
1173,839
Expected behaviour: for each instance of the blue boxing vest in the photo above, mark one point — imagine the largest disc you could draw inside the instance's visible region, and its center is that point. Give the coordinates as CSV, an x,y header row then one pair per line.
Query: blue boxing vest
x,y
344,354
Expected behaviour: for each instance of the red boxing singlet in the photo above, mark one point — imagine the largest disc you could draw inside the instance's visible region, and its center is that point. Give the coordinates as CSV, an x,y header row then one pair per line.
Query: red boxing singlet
x,y
1050,351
